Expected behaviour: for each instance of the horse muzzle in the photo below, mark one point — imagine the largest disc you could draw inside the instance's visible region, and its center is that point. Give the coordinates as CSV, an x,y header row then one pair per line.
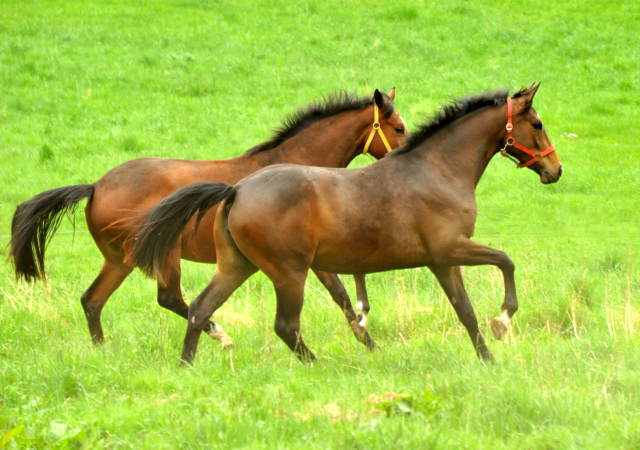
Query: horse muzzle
x,y
546,177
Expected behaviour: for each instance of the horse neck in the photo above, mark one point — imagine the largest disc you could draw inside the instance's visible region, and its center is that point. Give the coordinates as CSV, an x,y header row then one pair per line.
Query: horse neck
x,y
331,142
465,148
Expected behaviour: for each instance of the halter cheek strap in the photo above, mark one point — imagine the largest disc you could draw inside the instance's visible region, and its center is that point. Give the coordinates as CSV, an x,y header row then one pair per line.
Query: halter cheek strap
x,y
376,127
511,142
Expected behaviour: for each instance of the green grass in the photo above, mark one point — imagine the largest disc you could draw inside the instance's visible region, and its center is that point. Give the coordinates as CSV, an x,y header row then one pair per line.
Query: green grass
x,y
87,85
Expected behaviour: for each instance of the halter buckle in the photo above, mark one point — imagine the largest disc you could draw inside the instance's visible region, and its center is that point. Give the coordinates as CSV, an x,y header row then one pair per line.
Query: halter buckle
x,y
509,126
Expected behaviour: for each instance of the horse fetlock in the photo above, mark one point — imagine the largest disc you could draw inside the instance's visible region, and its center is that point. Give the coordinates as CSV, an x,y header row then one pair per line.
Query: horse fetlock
x,y
500,325
219,335
362,314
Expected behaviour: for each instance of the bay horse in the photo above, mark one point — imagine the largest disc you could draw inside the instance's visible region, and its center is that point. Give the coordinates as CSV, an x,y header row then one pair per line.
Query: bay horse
x,y
328,133
287,219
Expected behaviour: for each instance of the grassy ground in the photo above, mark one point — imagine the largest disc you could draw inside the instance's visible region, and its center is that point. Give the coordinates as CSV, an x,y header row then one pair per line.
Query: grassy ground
x,y
88,85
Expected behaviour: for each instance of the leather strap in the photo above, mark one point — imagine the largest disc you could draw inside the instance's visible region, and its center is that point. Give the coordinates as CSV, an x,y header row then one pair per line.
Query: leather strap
x,y
376,127
511,142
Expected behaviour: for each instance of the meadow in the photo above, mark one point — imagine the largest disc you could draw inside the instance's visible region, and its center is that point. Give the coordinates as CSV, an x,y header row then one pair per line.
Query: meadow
x,y
88,85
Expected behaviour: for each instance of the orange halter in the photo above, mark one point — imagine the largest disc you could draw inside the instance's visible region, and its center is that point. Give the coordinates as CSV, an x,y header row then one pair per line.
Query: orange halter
x,y
376,127
511,142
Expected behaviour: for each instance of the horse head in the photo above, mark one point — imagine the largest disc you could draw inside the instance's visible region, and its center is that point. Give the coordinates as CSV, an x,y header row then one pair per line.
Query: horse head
x,y
526,140
388,124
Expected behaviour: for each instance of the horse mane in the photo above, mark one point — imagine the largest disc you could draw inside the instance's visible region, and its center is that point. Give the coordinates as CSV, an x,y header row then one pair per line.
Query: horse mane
x,y
454,111
327,106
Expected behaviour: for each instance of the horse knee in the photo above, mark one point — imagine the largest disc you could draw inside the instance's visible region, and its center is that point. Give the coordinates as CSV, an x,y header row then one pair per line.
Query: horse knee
x,y
506,265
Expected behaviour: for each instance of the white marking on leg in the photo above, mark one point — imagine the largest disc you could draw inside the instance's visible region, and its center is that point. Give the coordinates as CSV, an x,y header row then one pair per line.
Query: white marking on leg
x,y
504,318
361,313
219,335
193,319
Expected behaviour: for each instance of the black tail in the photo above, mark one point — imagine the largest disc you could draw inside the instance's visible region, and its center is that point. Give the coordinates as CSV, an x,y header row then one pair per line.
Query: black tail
x,y
161,227
34,223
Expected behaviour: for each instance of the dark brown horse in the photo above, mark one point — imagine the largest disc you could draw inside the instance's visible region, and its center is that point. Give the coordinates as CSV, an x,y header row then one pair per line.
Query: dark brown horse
x,y
284,220
330,133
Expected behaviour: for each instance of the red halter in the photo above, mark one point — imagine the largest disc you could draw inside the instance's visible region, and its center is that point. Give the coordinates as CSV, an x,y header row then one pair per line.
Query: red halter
x,y
511,142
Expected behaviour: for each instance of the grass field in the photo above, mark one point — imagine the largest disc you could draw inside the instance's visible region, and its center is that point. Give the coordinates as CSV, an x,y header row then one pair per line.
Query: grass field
x,y
87,85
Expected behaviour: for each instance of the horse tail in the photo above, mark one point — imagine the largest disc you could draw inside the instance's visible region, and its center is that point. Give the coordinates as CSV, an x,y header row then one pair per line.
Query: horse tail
x,y
34,224
154,239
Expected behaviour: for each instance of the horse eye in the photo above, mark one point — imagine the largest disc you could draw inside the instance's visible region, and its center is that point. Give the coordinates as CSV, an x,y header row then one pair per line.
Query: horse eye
x,y
400,130
537,125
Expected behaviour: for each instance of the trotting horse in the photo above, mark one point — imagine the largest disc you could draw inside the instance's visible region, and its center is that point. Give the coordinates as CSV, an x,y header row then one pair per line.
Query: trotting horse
x,y
286,219
330,133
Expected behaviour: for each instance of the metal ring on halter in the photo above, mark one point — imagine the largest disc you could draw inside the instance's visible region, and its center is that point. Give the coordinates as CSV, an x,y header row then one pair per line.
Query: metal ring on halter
x,y
509,126
376,125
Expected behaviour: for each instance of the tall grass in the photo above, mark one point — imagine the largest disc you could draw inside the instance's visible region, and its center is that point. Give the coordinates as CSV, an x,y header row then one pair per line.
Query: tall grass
x,y
89,85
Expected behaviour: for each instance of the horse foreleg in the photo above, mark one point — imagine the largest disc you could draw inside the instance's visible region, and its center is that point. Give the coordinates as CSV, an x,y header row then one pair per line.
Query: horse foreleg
x,y
170,297
469,253
341,298
450,278
93,300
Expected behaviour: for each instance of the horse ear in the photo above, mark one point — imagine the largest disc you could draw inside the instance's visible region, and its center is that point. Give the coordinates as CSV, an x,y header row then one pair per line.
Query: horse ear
x,y
379,99
529,94
392,93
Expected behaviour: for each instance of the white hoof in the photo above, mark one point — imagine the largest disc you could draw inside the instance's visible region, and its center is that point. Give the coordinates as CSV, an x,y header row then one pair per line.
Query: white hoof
x,y
219,335
500,325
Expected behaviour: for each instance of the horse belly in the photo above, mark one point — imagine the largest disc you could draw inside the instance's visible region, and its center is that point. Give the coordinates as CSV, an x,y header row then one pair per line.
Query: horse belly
x,y
370,252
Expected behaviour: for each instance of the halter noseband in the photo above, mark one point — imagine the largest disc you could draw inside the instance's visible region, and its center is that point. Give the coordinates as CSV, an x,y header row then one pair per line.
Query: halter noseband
x,y
376,127
511,142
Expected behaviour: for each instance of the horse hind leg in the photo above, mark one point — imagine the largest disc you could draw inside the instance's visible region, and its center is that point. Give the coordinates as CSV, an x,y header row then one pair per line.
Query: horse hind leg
x,y
170,297
339,295
224,282
290,297
93,300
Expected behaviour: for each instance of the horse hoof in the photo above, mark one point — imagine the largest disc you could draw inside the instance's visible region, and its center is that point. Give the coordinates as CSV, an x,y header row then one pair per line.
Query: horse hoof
x,y
219,335
498,328
226,343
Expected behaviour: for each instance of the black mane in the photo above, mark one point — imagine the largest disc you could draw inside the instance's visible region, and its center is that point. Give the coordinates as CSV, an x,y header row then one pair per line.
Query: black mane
x,y
303,118
454,111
